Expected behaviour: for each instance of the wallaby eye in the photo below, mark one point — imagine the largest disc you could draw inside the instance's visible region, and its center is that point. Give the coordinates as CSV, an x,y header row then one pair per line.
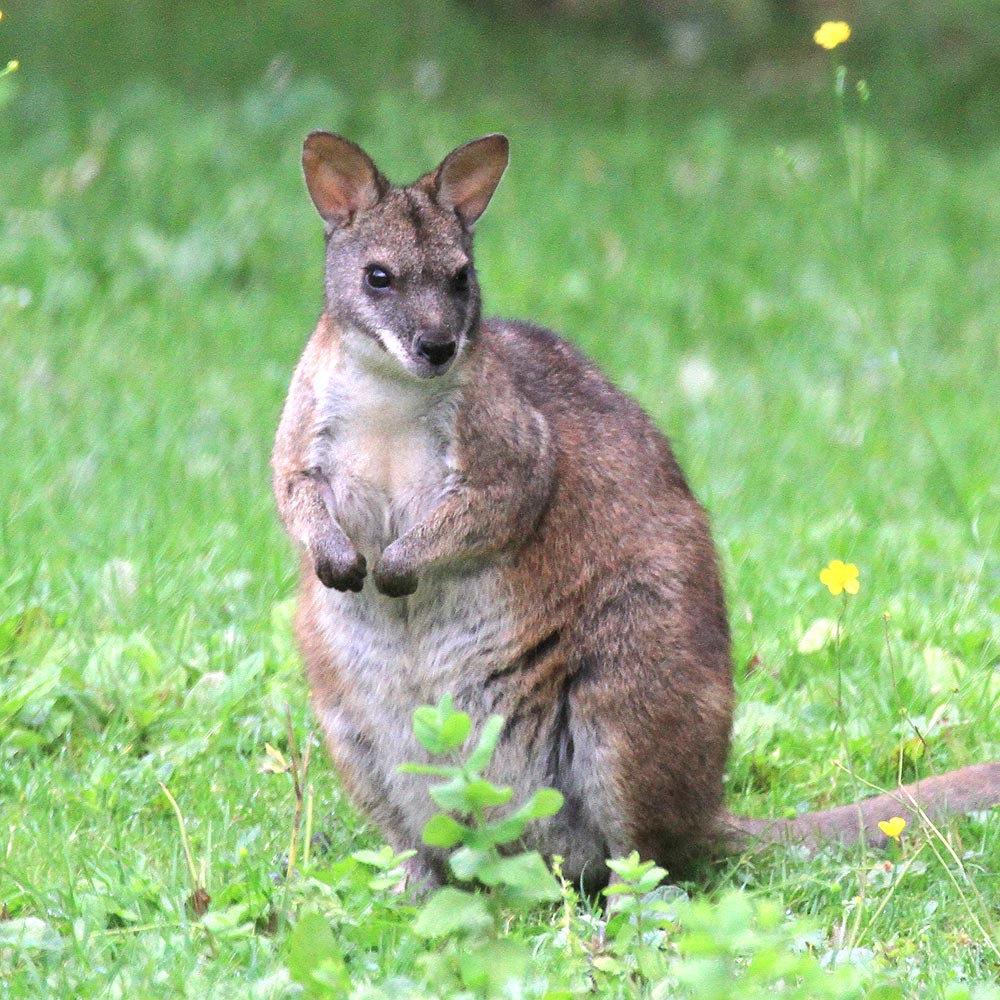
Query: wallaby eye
x,y
460,280
377,277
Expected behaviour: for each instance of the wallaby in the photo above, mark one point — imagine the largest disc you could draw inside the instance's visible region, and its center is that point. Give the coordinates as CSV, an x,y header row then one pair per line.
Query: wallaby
x,y
481,512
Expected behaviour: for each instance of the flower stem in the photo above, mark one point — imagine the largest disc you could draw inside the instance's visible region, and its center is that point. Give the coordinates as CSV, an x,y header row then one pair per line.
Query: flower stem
x,y
841,716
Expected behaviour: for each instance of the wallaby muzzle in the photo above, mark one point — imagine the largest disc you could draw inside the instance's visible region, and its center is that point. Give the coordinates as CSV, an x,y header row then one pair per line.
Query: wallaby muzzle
x,y
437,352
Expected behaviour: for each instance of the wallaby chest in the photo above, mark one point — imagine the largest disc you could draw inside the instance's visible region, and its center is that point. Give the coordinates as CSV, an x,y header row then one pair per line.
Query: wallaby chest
x,y
385,446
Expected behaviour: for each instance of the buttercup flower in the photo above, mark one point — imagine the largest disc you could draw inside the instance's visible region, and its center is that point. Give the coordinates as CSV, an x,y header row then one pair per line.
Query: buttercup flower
x,y
840,577
830,34
893,827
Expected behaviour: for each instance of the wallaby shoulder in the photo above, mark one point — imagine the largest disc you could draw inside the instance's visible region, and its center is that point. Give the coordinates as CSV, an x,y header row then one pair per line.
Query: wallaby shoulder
x,y
593,420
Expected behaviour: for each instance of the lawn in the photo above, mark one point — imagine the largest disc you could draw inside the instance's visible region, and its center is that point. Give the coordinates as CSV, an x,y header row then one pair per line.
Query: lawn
x,y
807,304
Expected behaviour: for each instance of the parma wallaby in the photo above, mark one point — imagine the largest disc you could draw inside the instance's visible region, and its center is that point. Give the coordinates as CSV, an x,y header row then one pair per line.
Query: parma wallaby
x,y
481,512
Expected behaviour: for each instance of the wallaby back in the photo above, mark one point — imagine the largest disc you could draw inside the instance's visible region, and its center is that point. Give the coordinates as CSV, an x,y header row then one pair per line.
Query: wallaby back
x,y
479,511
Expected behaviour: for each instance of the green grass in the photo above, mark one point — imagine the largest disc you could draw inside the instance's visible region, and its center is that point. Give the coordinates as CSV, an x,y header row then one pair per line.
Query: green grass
x,y
830,388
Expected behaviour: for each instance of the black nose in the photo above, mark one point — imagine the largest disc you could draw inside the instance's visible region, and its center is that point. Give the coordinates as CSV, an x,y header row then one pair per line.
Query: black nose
x,y
437,352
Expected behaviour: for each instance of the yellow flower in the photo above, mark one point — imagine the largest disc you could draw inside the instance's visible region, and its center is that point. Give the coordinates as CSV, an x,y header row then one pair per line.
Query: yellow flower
x,y
830,34
893,827
839,577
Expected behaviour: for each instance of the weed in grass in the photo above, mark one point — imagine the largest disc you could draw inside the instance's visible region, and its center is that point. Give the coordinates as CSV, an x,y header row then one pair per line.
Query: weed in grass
x,y
487,961
297,766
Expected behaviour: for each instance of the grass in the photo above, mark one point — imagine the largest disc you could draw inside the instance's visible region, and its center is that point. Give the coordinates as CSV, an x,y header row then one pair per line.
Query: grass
x,y
830,388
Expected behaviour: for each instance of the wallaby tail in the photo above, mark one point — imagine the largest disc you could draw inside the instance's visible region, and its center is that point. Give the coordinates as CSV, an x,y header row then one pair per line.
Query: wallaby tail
x,y
966,790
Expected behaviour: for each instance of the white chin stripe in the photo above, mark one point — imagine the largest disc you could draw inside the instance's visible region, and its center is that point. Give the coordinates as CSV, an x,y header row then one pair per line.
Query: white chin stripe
x,y
391,343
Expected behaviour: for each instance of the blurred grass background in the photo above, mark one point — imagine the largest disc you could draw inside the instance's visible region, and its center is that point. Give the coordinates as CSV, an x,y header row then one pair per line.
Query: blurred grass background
x,y
679,203
671,203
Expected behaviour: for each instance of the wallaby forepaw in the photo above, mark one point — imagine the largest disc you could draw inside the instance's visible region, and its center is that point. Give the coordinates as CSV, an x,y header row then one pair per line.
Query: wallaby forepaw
x,y
393,581
396,586
341,574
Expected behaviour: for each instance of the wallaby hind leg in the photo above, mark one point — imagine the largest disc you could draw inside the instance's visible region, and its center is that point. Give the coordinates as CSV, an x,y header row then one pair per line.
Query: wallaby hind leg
x,y
662,722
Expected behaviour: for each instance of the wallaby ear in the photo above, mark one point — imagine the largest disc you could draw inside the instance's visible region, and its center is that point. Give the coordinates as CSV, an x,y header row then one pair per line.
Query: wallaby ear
x,y
469,175
341,177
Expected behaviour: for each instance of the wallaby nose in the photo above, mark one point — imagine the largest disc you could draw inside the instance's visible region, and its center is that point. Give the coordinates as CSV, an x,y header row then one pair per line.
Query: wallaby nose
x,y
437,352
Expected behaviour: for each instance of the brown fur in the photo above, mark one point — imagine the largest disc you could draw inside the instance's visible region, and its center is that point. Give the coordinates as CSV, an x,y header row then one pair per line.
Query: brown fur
x,y
480,511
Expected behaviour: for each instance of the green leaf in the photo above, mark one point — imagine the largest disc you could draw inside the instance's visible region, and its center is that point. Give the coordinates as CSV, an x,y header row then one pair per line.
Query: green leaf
x,y
705,977
30,932
526,876
888,991
466,862
459,795
439,771
146,656
651,879
734,914
440,730
488,968
443,831
427,727
455,730
631,868
605,963
481,794
957,992
545,802
910,750
480,758
819,635
452,911
227,924
651,963
19,629
314,955
34,688
619,889
451,795
504,831
384,859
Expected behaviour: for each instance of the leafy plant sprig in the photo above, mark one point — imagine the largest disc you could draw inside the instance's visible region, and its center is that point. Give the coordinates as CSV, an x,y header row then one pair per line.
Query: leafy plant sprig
x,y
640,910
469,828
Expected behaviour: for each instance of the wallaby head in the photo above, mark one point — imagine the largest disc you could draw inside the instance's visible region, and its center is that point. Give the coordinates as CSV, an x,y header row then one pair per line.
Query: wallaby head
x,y
400,278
